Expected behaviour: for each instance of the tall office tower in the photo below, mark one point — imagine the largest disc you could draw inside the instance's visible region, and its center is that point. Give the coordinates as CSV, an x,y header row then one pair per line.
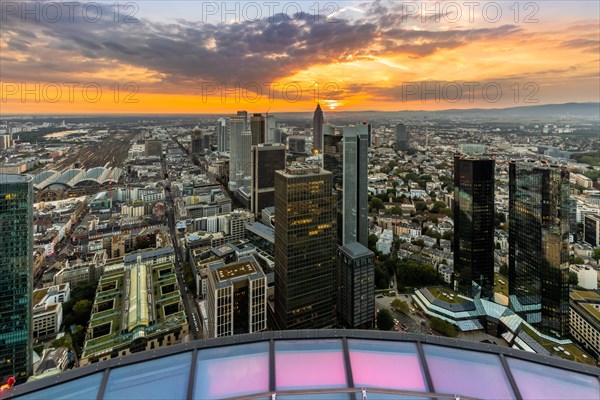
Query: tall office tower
x,y
345,156
236,297
240,150
304,248
222,135
369,133
591,229
474,226
16,272
318,121
356,285
258,128
272,134
402,138
266,159
197,143
538,267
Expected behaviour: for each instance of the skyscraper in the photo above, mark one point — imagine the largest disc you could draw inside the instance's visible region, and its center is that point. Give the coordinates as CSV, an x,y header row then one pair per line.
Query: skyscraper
x,y
240,150
538,267
16,274
272,134
258,129
266,159
356,283
222,136
345,156
318,121
197,143
402,138
304,248
474,226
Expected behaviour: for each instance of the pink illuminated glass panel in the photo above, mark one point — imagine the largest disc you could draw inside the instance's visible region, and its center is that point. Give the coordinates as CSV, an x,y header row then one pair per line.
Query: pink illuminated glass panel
x,y
536,381
467,373
309,364
232,371
391,365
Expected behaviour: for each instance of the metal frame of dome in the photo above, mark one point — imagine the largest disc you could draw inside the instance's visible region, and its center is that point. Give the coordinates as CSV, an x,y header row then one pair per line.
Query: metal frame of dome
x,y
422,343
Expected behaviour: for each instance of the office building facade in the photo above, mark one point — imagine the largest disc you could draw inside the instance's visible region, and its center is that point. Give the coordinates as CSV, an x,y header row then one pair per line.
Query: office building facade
x,y
304,248
258,129
538,245
591,229
240,150
345,156
222,135
236,297
356,286
266,159
318,121
16,274
474,226
197,143
402,138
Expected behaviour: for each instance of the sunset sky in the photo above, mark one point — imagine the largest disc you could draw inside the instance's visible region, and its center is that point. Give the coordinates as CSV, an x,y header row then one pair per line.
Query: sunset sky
x,y
188,57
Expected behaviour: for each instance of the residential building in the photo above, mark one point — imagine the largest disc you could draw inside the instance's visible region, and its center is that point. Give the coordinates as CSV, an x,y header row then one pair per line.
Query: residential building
x,y
591,229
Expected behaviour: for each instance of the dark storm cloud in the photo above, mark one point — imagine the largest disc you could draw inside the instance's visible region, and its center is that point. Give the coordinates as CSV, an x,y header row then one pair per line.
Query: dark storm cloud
x,y
185,51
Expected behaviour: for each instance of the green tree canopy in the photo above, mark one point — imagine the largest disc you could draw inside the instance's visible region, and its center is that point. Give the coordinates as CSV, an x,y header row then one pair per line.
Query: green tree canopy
x,y
385,320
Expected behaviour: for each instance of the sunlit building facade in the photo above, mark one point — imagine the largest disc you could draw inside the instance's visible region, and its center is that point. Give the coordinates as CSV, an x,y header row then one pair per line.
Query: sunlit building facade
x,y
304,248
345,152
16,274
474,226
538,245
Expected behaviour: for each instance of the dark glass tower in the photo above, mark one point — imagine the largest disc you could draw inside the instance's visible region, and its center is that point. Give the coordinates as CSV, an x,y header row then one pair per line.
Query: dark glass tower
x,y
318,121
16,249
474,226
345,156
258,129
304,248
356,283
402,138
538,264
197,143
266,159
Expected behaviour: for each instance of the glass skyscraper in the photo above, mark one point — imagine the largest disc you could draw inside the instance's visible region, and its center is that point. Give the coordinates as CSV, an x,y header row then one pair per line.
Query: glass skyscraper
x,y
345,156
474,226
304,248
16,253
538,245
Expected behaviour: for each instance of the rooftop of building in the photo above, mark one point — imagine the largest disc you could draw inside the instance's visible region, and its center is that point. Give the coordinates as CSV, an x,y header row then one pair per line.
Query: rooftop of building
x,y
323,364
14,178
355,249
234,270
114,312
588,295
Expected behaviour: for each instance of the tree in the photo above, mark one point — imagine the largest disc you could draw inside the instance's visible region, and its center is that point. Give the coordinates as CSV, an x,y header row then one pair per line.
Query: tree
x,y
596,255
62,342
376,204
573,278
443,327
81,311
399,305
372,242
437,206
576,260
385,320
420,206
448,235
504,269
